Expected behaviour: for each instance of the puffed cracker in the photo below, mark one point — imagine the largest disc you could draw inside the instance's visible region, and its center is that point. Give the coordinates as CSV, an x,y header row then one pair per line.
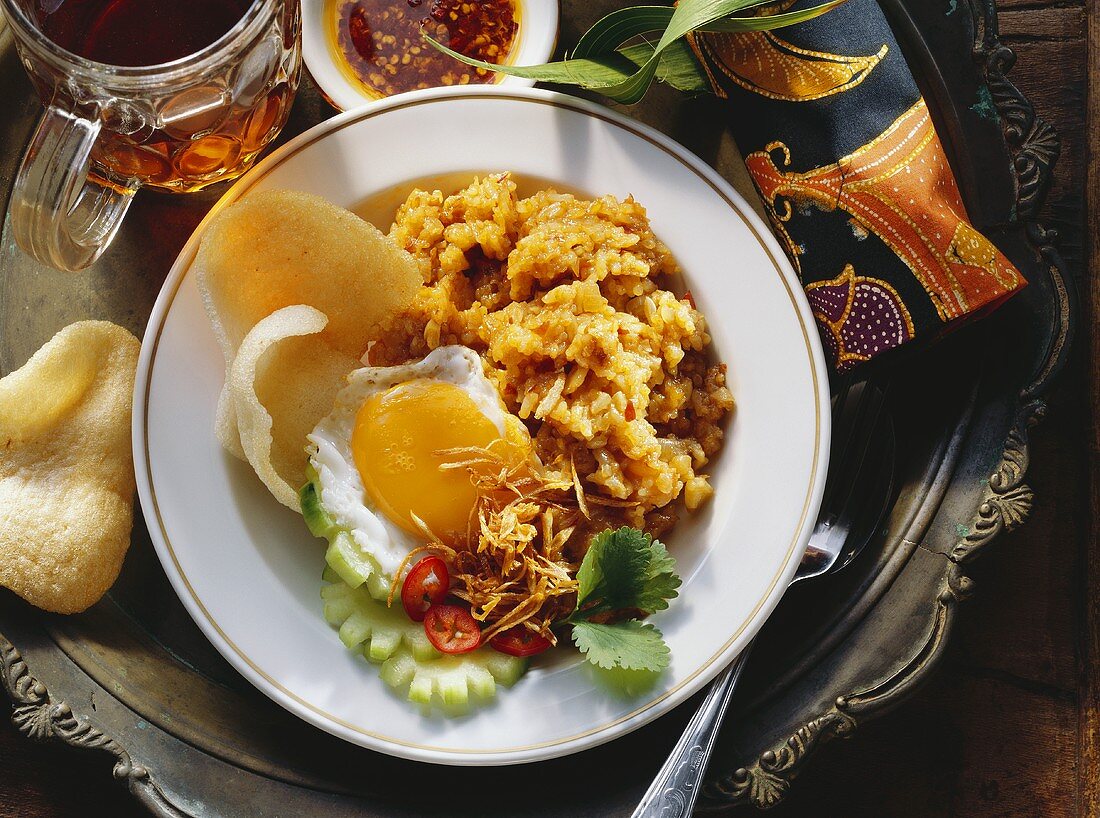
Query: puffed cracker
x,y
279,248
66,467
282,381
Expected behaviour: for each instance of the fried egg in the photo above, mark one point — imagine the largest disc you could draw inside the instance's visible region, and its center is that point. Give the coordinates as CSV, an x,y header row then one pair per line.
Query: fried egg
x,y
377,454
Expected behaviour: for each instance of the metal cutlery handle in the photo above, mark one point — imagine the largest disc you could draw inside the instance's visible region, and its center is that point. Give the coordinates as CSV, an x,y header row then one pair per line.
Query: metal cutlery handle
x,y
676,786
855,414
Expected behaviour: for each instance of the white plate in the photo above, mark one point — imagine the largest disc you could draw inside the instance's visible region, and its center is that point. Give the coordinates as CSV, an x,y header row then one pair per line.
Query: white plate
x,y
247,569
537,37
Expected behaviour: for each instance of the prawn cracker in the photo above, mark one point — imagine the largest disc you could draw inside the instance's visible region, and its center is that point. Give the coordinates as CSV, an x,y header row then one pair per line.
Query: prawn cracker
x,y
277,248
282,248
281,383
66,467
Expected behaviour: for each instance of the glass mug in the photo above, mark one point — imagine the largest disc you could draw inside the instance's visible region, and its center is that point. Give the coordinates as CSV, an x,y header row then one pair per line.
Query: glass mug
x,y
109,129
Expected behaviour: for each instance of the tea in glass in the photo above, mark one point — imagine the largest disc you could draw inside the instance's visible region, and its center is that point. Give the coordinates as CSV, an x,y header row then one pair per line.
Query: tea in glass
x,y
173,94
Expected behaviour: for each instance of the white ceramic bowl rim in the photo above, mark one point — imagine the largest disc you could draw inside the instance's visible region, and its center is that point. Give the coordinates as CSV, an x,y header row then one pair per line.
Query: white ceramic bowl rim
x,y
598,734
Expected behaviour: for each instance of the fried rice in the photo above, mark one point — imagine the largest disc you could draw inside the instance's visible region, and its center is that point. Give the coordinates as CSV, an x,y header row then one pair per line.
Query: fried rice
x,y
569,302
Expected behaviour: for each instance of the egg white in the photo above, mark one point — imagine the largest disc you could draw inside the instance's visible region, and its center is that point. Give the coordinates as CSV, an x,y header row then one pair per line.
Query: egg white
x,y
342,492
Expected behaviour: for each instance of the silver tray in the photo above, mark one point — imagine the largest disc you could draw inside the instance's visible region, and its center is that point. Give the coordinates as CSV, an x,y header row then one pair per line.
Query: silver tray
x,y
135,678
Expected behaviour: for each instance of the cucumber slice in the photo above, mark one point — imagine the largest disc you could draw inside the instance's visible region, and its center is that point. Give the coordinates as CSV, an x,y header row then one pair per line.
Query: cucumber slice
x,y
339,603
505,669
409,660
382,645
398,670
483,683
309,498
420,690
378,586
354,567
356,629
420,646
363,621
449,680
348,561
453,688
344,557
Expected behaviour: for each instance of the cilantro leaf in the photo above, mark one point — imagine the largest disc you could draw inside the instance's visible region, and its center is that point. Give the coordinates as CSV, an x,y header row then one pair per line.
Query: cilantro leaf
x,y
661,580
613,568
630,645
625,570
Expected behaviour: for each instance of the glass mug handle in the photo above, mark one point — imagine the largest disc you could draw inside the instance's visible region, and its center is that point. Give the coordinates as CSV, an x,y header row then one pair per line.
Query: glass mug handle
x,y
58,214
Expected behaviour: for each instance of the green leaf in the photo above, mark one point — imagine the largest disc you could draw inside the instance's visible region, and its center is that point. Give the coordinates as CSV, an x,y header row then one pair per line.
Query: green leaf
x,y
613,29
625,570
608,69
590,574
597,65
629,645
679,66
688,16
621,553
661,580
621,25
770,22
613,570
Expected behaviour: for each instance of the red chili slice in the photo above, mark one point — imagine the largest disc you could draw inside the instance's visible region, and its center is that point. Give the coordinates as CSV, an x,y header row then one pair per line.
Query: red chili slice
x,y
519,641
425,585
451,629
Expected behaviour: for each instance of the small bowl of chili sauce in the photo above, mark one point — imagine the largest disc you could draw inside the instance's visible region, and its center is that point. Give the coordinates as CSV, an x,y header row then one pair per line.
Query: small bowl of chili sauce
x,y
360,51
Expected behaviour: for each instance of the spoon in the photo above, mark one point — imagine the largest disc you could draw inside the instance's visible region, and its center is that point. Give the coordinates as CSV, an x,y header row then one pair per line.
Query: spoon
x,y
854,483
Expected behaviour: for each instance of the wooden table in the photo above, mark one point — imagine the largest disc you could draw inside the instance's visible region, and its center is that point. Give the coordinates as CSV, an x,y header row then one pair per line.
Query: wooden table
x,y
1010,726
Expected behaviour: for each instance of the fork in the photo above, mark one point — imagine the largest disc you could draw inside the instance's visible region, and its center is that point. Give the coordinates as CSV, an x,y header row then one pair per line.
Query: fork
x,y
855,417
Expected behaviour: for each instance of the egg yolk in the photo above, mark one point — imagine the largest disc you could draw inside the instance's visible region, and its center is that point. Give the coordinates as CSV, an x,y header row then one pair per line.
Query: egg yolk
x,y
396,444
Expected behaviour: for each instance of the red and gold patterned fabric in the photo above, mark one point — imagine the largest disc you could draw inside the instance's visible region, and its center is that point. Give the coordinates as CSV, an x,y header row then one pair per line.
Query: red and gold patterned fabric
x,y
843,151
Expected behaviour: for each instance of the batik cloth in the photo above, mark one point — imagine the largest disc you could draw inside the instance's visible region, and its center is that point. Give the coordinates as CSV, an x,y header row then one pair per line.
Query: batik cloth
x,y
854,180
